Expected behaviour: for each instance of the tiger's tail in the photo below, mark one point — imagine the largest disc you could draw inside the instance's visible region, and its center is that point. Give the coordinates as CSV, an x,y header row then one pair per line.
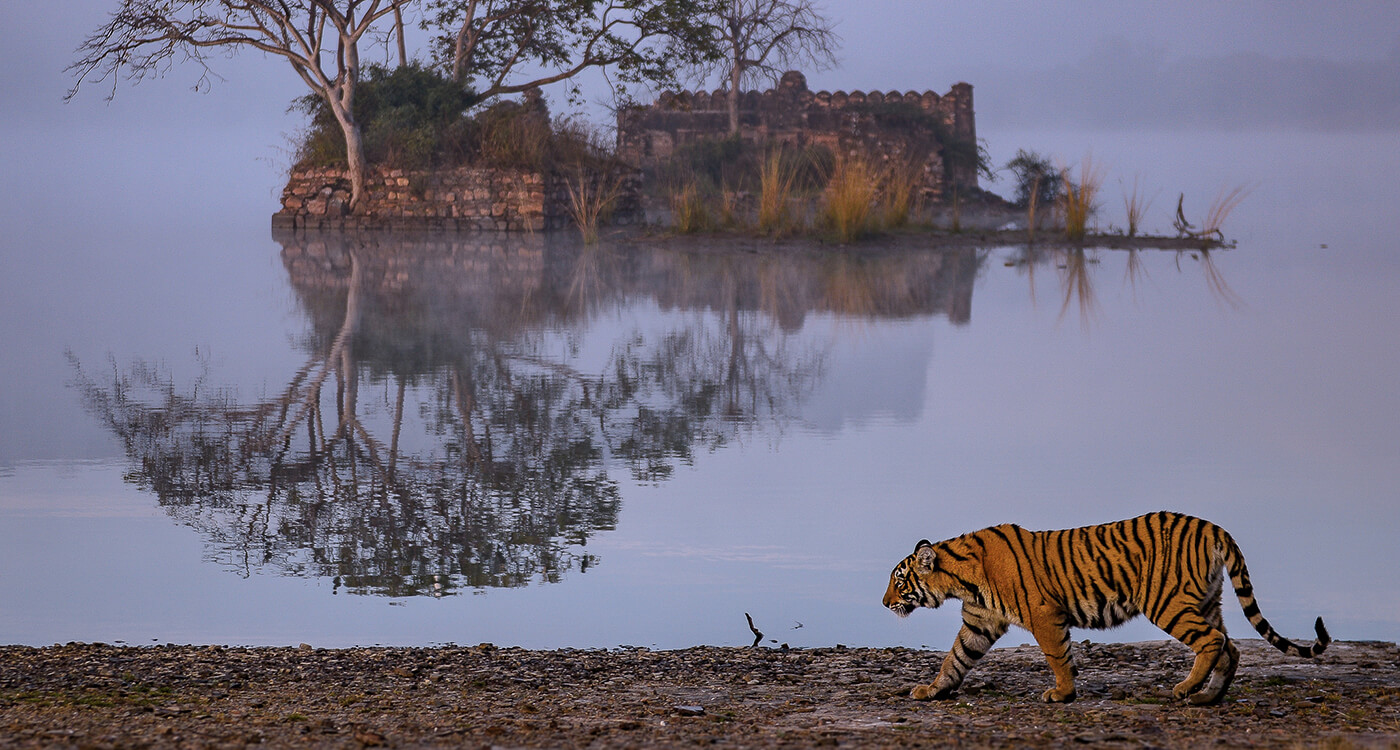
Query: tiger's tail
x,y
1239,578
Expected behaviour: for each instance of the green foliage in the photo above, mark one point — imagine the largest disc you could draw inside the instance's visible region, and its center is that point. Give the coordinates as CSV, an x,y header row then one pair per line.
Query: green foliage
x,y
1035,175
409,117
508,47
412,117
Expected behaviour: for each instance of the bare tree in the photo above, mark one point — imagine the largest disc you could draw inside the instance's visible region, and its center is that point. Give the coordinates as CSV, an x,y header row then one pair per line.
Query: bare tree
x,y
488,43
318,38
761,38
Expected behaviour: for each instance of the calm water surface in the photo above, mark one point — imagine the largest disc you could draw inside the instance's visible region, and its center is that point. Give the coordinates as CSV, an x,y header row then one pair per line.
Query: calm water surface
x,y
213,435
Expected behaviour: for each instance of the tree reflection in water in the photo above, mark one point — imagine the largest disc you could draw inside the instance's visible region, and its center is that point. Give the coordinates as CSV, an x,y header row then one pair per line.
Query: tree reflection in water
x,y
445,433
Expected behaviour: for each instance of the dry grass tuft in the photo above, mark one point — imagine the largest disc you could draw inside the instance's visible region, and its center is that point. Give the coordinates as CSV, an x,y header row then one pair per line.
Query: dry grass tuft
x,y
1220,208
731,208
897,195
591,198
1135,204
1032,203
1078,202
849,208
688,211
776,179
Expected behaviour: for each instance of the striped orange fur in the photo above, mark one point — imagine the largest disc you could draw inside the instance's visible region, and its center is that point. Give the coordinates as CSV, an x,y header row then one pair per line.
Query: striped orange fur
x,y
1167,566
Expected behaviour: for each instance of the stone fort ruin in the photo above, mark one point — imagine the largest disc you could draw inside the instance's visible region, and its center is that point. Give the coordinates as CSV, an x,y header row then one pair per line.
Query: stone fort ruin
x,y
936,135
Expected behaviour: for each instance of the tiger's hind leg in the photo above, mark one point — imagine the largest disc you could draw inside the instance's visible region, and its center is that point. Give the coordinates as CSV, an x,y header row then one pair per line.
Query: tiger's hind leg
x,y
975,638
1224,672
1220,679
1209,643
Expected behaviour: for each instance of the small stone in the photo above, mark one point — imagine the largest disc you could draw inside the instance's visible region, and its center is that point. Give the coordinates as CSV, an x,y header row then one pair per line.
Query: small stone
x,y
690,710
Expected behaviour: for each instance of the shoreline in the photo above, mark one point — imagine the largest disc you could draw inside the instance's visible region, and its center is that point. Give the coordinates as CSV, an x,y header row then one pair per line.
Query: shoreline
x,y
94,695
904,239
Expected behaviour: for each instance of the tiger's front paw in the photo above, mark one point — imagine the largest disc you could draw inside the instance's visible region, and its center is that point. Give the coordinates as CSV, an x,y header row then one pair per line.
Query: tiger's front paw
x,y
931,693
1055,695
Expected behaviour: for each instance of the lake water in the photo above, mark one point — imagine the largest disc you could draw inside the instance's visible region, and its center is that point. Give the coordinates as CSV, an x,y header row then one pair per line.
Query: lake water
x,y
211,435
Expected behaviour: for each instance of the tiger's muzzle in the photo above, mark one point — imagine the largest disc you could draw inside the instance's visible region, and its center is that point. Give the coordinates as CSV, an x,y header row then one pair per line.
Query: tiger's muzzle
x,y
901,608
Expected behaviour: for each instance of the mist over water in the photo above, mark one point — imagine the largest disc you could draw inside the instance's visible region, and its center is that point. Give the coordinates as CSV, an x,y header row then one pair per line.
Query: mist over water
x,y
523,441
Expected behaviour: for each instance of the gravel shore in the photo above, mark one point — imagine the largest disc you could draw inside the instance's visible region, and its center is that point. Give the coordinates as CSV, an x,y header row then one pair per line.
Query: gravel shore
x,y
94,696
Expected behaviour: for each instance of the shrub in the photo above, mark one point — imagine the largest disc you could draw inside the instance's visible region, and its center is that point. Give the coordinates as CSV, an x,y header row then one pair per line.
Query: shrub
x,y
1035,177
409,116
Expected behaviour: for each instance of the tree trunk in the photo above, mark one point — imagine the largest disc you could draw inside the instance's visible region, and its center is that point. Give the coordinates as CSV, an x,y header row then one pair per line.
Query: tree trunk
x,y
354,152
355,161
735,74
398,27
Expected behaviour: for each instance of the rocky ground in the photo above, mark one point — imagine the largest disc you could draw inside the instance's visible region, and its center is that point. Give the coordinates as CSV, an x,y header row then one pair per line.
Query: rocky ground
x,y
93,695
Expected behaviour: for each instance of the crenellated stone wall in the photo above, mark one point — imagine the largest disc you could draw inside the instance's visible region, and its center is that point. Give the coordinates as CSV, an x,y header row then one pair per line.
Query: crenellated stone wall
x,y
458,199
854,122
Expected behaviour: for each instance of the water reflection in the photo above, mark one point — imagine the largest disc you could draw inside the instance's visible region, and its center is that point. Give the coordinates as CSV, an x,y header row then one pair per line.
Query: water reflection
x,y
466,404
1078,286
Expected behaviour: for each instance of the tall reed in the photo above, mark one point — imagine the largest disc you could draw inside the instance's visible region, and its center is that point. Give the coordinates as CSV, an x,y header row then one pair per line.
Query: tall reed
x,y
897,195
1078,200
1135,204
850,199
688,212
592,194
1220,208
776,179
731,208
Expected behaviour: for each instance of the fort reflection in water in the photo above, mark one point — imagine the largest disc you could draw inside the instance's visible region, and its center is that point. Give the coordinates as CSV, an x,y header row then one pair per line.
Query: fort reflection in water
x,y
456,423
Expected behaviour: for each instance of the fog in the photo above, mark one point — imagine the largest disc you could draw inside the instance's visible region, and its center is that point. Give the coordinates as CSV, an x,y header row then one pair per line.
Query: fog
x,y
1081,64
138,229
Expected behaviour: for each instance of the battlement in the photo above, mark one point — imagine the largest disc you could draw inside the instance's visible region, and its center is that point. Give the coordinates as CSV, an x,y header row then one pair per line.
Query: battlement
x,y
790,113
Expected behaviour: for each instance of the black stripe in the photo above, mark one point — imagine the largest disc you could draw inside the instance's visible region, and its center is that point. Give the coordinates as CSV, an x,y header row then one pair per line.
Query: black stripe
x,y
1251,610
949,552
1170,624
1020,591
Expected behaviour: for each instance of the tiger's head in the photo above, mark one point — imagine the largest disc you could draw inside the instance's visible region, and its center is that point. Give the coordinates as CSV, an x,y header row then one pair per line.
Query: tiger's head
x,y
909,586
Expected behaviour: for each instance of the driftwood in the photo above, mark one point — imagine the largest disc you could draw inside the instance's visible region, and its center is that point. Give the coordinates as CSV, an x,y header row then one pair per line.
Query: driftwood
x,y
757,636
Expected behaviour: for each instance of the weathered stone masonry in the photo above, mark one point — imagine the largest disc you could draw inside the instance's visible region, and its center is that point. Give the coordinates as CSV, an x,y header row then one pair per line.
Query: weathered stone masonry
x,y
459,199
791,114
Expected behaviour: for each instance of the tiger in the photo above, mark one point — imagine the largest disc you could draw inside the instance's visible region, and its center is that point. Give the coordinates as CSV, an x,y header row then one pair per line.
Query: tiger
x,y
1164,565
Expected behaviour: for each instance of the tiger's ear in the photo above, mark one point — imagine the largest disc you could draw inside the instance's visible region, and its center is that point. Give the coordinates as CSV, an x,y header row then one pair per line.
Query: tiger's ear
x,y
924,557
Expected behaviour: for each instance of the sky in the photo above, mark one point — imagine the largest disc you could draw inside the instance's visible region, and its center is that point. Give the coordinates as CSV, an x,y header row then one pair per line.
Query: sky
x,y
1008,49
1088,65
